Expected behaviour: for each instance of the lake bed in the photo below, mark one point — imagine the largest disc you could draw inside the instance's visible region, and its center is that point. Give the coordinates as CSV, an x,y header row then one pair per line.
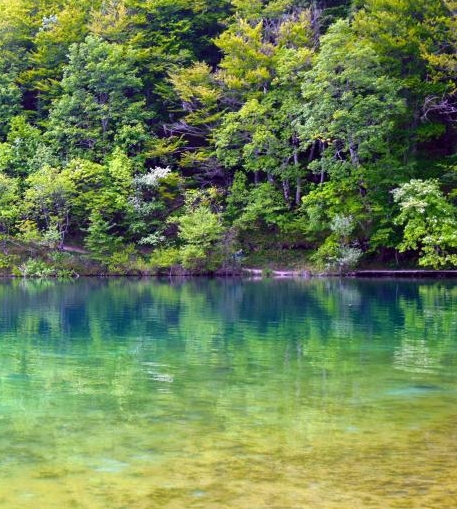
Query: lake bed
x,y
286,394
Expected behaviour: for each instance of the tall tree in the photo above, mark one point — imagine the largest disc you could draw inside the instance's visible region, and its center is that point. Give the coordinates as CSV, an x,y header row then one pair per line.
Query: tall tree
x,y
10,98
171,34
100,96
414,38
349,114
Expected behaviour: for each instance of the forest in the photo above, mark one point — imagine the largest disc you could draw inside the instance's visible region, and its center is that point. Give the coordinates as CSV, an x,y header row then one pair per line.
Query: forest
x,y
180,136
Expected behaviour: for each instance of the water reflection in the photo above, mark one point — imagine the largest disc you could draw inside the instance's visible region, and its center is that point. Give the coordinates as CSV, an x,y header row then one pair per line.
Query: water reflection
x,y
213,393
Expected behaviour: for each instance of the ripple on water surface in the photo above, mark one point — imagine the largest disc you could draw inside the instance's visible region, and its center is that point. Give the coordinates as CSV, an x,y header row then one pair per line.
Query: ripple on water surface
x,y
211,394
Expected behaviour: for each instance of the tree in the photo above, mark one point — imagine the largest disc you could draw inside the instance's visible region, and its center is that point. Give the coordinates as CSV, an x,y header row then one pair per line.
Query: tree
x,y
415,40
170,35
154,195
199,229
337,251
47,201
60,27
24,150
430,223
112,20
100,240
350,105
350,111
199,95
19,22
88,182
104,189
241,115
10,97
100,96
9,203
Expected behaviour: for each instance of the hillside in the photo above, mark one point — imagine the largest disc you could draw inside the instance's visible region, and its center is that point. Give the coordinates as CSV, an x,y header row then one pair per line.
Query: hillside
x,y
193,137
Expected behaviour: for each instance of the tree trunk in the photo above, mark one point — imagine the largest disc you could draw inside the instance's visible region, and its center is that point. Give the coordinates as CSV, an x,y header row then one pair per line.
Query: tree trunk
x,y
355,160
298,181
286,190
354,154
298,192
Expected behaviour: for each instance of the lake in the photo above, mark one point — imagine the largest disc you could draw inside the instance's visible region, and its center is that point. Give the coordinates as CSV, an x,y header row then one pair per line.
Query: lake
x,y
228,394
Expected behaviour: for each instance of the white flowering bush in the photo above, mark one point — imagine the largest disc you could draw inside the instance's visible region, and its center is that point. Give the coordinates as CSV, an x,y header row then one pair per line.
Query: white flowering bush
x,y
338,251
153,177
430,223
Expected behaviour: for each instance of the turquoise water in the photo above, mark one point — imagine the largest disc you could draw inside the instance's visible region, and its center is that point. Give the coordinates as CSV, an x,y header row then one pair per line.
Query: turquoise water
x,y
228,394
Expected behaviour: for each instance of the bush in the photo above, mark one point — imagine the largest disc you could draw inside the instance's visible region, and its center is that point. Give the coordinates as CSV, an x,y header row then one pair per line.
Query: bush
x,y
337,251
100,242
165,258
33,267
36,268
200,231
122,262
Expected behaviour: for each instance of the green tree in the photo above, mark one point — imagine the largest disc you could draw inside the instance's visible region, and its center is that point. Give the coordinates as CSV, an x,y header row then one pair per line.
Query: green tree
x,y
415,40
10,97
47,200
350,111
100,96
338,252
100,240
249,103
9,203
199,229
19,22
199,96
88,182
154,195
430,223
24,150
61,26
350,104
169,35
104,189
112,20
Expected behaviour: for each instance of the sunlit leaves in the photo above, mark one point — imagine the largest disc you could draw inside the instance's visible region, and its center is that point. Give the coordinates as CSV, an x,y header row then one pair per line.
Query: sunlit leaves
x,y
430,223
99,88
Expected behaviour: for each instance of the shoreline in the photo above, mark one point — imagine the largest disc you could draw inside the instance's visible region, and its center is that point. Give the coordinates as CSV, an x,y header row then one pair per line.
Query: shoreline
x,y
405,273
255,273
359,274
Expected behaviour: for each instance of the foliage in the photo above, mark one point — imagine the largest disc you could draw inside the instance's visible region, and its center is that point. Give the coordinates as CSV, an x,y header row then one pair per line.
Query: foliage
x,y
430,223
99,96
9,206
121,262
264,207
198,129
100,242
165,258
24,151
47,201
37,268
199,230
10,96
337,251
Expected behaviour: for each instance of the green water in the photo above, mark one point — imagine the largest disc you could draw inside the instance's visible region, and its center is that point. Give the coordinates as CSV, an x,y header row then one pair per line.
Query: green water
x,y
228,394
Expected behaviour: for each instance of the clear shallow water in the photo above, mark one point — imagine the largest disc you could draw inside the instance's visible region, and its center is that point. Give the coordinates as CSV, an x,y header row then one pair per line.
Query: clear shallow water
x,y
227,394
